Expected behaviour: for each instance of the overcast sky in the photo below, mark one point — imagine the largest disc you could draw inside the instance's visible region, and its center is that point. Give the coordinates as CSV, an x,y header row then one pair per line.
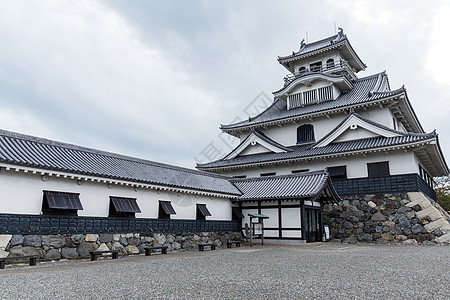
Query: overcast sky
x,y
155,79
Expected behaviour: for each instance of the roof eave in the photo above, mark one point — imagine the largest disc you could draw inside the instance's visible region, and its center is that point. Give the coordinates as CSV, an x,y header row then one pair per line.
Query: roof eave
x,y
322,156
316,114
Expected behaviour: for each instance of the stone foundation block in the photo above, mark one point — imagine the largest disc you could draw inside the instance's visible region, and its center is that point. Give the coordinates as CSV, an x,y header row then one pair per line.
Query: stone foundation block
x,y
430,212
4,240
430,227
444,239
445,229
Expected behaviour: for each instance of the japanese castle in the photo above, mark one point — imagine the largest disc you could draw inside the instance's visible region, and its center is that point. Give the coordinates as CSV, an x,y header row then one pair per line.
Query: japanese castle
x,y
327,135
362,134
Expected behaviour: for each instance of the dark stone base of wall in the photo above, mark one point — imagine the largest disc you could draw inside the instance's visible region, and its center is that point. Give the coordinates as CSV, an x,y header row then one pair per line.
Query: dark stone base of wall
x,y
380,219
79,245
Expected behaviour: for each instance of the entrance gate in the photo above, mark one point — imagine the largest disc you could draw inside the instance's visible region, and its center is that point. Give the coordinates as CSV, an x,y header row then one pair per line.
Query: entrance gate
x,y
313,222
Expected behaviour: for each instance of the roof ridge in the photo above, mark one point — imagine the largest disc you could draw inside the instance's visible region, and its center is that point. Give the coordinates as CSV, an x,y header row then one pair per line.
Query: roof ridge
x,y
49,142
302,174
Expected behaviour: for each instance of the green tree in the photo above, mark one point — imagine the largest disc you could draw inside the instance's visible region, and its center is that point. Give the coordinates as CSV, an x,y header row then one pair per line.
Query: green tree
x,y
443,191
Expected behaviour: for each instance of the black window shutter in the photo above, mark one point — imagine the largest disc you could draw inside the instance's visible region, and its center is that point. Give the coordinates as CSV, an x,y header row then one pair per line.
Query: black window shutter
x,y
305,134
378,169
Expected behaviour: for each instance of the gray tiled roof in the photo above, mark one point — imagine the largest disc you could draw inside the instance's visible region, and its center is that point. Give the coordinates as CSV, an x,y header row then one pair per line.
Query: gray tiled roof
x,y
306,151
304,185
362,92
23,150
317,45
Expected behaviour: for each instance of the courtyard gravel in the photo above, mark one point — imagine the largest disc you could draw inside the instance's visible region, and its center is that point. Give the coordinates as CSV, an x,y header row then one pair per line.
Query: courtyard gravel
x,y
310,271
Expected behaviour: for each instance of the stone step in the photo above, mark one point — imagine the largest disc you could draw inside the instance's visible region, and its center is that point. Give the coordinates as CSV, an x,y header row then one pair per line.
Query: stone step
x,y
444,238
431,212
430,227
418,199
445,229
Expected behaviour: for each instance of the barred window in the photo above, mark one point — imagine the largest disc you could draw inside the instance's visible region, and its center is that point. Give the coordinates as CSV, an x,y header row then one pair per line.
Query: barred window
x,y
305,134
378,169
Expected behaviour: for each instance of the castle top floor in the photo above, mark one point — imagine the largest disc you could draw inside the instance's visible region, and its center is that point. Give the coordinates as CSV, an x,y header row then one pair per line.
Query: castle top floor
x,y
332,55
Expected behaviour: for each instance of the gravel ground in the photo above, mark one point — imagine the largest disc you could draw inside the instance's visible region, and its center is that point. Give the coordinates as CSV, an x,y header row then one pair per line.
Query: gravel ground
x,y
312,271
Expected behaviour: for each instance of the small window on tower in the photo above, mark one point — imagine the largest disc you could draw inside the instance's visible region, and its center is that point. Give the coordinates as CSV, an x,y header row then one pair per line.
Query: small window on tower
x,y
302,70
316,67
330,63
305,134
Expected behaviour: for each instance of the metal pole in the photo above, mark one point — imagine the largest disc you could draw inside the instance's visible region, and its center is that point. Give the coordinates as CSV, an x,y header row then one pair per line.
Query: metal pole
x,y
251,231
262,231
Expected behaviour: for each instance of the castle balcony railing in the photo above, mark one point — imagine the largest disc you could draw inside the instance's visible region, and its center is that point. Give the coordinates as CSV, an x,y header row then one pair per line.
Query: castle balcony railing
x,y
327,68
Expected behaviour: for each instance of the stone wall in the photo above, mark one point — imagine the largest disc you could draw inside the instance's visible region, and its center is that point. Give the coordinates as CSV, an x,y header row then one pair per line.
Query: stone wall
x,y
79,245
387,218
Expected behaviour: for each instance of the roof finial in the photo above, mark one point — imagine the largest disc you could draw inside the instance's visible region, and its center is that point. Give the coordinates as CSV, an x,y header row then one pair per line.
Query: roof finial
x,y
302,44
340,31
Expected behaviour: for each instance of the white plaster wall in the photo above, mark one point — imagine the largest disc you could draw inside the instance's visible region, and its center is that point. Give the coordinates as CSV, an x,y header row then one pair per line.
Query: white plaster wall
x,y
317,83
22,193
379,115
287,133
246,218
254,149
291,233
357,134
272,213
399,163
290,217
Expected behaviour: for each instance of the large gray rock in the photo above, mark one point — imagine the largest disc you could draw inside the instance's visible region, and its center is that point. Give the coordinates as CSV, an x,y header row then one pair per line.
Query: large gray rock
x,y
160,238
91,237
146,239
105,237
56,241
17,239
395,230
24,251
134,241
404,223
52,254
102,247
77,238
170,238
176,246
347,225
84,248
116,237
378,216
123,240
418,229
132,249
32,241
187,245
69,253
118,246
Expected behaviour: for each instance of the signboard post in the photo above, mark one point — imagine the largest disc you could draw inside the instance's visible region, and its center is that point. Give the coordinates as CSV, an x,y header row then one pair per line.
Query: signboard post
x,y
257,227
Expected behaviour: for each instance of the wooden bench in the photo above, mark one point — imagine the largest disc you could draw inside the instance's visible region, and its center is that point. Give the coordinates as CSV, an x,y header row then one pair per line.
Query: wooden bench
x,y
32,259
95,254
230,243
148,250
201,247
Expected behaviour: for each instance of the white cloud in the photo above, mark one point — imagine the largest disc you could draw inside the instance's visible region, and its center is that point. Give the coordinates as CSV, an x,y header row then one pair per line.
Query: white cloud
x,y
437,59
